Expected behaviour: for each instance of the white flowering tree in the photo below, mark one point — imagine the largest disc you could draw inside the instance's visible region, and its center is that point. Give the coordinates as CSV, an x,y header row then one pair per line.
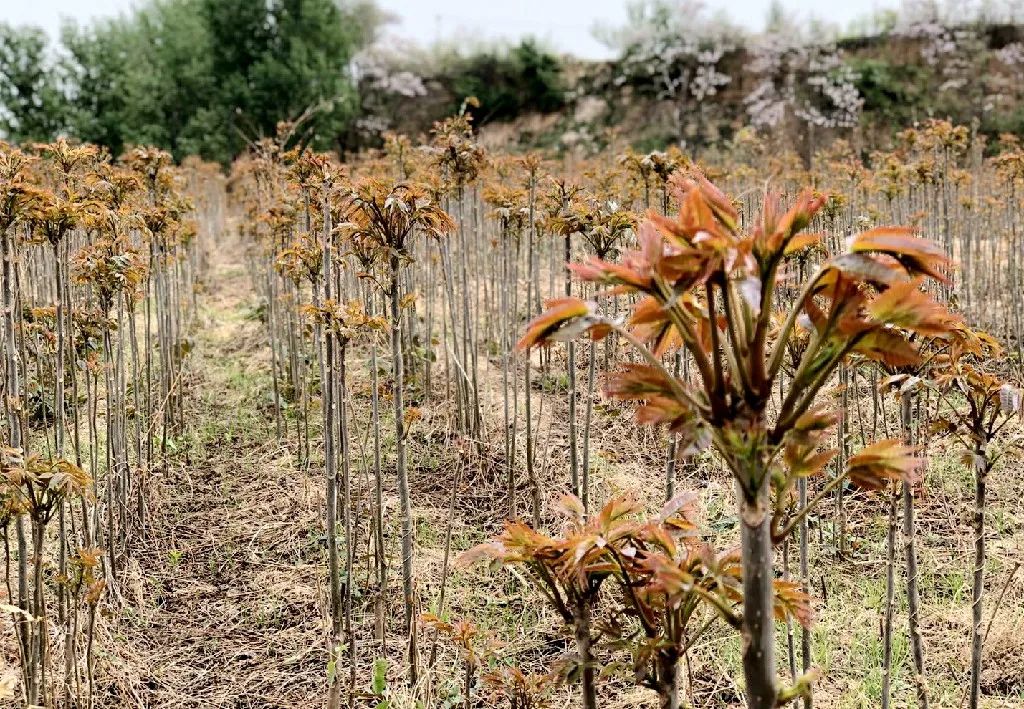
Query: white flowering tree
x,y
385,84
954,45
804,84
679,49
949,42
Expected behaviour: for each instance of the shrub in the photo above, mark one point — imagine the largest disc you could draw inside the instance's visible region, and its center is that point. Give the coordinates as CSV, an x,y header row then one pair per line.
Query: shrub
x,y
509,83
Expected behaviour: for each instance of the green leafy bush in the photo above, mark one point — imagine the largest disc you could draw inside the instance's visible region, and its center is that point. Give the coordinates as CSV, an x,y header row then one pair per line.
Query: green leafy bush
x,y
508,83
890,91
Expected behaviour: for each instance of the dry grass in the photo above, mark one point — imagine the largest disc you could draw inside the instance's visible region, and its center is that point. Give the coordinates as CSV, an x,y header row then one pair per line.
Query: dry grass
x,y
223,604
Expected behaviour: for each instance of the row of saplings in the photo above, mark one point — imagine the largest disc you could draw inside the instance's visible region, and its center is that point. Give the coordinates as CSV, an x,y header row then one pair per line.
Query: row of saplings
x,y
708,287
95,262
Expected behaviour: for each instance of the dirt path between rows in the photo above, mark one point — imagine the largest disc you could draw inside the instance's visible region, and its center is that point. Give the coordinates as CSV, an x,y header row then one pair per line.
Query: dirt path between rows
x,y
222,606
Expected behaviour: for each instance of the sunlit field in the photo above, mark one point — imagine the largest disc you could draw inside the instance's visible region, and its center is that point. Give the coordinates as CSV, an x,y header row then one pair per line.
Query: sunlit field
x,y
419,378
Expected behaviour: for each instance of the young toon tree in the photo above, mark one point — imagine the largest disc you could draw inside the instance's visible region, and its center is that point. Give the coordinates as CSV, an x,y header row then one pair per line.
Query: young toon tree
x,y
672,587
342,323
980,405
603,225
710,286
387,215
38,486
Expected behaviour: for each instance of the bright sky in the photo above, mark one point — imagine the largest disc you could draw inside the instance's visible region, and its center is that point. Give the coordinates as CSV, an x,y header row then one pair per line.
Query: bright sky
x,y
565,24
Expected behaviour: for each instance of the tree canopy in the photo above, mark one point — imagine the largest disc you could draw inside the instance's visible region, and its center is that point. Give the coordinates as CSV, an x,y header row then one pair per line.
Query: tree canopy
x,y
30,98
192,76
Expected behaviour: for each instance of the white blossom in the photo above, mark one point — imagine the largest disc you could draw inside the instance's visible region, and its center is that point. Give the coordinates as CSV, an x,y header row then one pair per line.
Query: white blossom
x,y
1012,54
947,43
676,47
809,81
384,79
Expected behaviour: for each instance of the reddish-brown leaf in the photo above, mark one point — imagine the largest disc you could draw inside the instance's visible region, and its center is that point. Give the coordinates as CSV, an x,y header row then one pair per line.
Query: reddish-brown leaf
x,y
917,255
792,601
560,312
904,305
881,462
488,551
802,241
867,268
638,382
888,347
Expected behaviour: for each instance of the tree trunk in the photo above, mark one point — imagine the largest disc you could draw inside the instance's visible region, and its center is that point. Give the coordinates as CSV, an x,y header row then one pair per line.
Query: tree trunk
x,y
668,686
574,463
589,674
587,418
910,551
327,386
758,617
890,597
403,480
805,580
981,482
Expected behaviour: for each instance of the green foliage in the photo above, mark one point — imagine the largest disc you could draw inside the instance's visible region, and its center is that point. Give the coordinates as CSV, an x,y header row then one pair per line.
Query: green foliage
x,y
507,84
30,99
379,686
996,123
280,62
891,92
144,79
655,142
191,76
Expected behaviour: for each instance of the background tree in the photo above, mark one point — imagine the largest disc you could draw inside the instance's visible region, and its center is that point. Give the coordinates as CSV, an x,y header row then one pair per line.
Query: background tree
x,y
31,103
279,61
678,50
144,79
192,76
508,82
